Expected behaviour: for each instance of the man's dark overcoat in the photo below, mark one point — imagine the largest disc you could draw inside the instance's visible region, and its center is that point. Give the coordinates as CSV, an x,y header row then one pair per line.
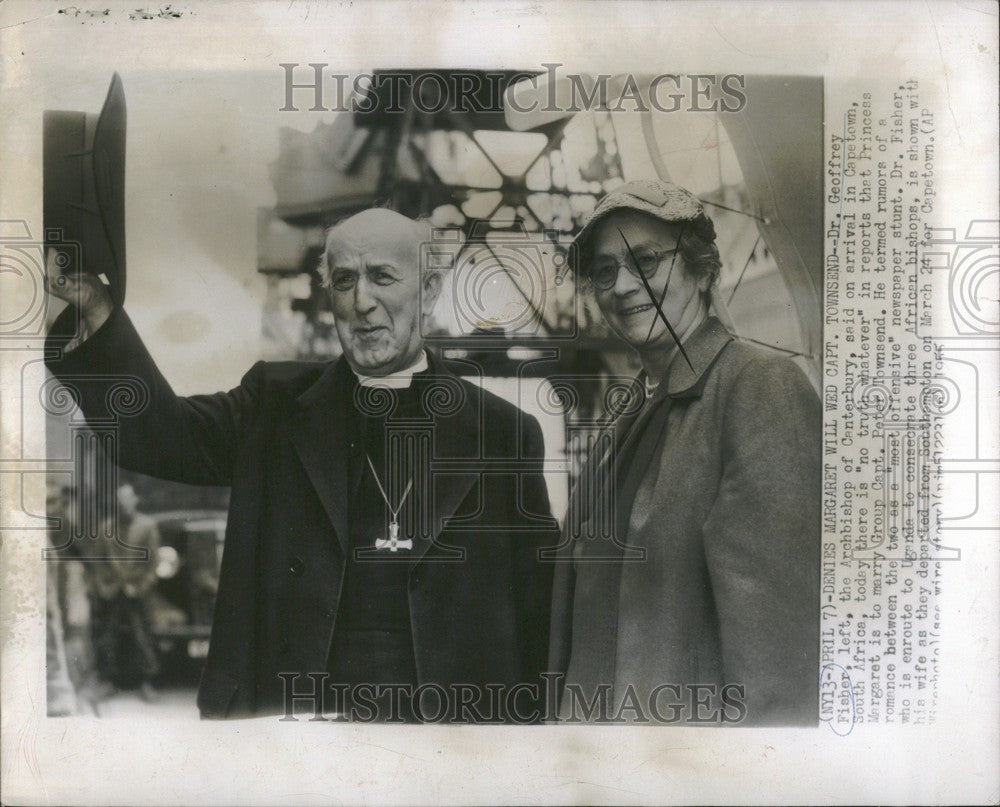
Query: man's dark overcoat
x,y
479,598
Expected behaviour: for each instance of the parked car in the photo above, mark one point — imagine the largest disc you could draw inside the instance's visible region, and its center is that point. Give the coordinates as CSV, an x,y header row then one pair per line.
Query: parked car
x,y
187,570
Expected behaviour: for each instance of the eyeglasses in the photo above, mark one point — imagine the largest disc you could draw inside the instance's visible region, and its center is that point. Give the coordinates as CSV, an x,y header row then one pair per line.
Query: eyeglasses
x,y
605,274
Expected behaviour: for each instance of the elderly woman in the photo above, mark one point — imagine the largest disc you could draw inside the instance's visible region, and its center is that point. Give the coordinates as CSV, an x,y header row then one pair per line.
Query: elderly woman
x,y
703,607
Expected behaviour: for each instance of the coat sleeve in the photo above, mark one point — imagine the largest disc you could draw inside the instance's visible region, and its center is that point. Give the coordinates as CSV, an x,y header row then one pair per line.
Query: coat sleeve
x,y
115,382
762,542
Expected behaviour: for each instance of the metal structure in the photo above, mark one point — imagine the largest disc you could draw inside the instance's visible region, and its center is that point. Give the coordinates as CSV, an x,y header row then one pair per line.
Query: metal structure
x,y
396,159
440,165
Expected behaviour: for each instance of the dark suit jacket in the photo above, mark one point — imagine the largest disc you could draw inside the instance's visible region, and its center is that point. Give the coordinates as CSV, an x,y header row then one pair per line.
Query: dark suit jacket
x,y
479,597
721,495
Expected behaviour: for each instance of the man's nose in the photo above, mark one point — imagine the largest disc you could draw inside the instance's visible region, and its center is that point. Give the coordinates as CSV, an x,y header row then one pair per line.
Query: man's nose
x,y
364,300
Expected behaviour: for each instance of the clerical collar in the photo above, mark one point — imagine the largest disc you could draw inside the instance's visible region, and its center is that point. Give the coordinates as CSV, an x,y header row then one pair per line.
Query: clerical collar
x,y
401,379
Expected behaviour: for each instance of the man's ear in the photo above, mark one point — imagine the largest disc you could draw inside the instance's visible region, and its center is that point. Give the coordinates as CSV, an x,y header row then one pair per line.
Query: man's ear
x,y
430,292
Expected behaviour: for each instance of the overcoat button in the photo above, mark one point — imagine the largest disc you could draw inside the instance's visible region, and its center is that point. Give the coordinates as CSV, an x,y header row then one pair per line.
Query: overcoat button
x,y
296,566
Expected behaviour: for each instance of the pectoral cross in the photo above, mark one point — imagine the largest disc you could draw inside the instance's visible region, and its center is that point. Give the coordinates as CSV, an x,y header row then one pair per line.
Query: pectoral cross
x,y
393,542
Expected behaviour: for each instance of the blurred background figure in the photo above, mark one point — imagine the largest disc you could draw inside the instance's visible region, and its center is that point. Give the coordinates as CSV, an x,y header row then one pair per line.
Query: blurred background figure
x,y
121,575
60,689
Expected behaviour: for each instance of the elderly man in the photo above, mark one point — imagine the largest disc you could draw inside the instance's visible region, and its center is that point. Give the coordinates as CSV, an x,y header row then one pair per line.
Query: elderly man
x,y
382,543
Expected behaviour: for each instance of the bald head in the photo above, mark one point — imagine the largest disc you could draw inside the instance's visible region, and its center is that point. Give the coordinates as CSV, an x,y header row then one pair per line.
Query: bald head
x,y
377,232
378,293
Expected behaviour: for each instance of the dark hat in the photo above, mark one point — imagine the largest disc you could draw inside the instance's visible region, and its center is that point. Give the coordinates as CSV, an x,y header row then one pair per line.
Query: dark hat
x,y
84,188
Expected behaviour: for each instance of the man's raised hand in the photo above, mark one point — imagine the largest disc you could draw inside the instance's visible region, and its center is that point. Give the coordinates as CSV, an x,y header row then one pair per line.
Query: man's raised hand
x,y
80,289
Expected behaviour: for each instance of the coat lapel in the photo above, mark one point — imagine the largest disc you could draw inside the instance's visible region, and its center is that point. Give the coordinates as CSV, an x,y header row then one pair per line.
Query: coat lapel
x,y
645,438
634,457
320,437
457,453
703,348
319,434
